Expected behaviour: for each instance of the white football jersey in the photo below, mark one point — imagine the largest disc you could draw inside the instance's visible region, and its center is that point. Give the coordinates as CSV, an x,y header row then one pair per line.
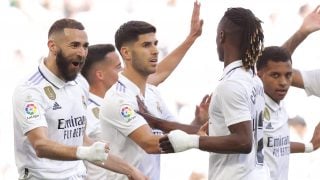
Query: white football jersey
x,y
311,80
239,97
119,119
276,139
44,100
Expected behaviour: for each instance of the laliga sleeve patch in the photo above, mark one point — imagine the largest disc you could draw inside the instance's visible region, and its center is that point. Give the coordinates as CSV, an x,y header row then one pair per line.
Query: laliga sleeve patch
x,y
31,111
127,113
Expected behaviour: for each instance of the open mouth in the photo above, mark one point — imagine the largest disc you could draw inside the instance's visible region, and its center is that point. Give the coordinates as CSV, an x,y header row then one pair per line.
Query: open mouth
x,y
77,63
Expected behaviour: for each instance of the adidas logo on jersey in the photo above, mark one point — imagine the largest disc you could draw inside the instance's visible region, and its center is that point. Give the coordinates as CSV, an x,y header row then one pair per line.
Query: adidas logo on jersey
x,y
56,106
269,126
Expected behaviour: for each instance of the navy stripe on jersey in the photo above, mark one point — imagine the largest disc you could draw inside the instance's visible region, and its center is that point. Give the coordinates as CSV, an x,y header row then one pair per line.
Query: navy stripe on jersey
x,y
35,76
92,101
35,79
120,87
47,79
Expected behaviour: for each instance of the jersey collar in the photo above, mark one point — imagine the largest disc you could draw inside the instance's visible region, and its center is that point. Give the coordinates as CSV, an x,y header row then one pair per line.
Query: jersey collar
x,y
230,67
52,78
271,104
95,99
129,84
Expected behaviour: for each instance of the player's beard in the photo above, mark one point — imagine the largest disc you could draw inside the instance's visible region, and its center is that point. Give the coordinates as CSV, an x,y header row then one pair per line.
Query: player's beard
x,y
63,64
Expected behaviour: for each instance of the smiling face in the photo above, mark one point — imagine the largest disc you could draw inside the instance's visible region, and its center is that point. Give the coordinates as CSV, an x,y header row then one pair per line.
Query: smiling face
x,y
276,78
144,54
72,49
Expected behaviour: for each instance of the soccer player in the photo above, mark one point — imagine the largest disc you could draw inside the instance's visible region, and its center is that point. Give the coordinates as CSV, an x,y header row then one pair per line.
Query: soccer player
x,y
275,70
236,110
101,71
50,114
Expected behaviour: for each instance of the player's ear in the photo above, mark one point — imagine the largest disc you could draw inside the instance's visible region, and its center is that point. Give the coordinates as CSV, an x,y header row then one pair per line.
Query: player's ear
x,y
99,74
52,46
125,52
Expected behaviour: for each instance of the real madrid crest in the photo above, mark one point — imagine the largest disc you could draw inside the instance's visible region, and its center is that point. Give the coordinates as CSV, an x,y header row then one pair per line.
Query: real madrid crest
x,y
50,92
266,114
95,112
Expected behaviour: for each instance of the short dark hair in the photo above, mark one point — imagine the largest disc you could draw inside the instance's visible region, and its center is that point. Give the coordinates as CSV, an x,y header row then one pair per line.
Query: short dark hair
x,y
273,53
246,29
129,32
61,24
96,54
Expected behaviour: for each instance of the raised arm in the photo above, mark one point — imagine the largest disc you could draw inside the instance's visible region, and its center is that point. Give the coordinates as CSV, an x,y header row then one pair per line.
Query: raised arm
x,y
170,62
311,23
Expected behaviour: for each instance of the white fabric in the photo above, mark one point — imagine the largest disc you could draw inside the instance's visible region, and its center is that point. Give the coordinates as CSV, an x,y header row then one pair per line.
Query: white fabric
x,y
237,98
308,147
276,139
43,100
94,153
118,120
93,130
181,141
311,81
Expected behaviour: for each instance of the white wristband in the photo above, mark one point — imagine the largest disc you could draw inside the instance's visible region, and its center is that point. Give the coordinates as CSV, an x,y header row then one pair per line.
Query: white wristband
x,y
182,141
308,147
94,153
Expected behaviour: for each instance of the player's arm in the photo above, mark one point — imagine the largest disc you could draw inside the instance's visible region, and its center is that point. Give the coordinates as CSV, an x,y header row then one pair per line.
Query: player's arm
x,y
47,148
169,63
233,102
314,144
167,126
116,164
311,23
239,140
144,137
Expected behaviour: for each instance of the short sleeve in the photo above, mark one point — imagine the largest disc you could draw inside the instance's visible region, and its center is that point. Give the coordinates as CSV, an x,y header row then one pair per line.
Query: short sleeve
x,y
311,81
119,111
28,108
234,101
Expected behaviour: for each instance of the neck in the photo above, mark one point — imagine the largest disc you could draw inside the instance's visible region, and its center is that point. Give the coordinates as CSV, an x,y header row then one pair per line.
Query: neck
x,y
138,79
98,90
231,54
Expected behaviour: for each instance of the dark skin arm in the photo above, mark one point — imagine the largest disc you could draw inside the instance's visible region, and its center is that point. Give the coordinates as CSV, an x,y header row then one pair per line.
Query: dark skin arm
x,y
311,23
239,141
164,125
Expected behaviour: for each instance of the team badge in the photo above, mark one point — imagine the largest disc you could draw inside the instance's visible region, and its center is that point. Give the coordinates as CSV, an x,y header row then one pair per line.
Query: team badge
x,y
31,111
127,112
49,92
95,112
266,114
